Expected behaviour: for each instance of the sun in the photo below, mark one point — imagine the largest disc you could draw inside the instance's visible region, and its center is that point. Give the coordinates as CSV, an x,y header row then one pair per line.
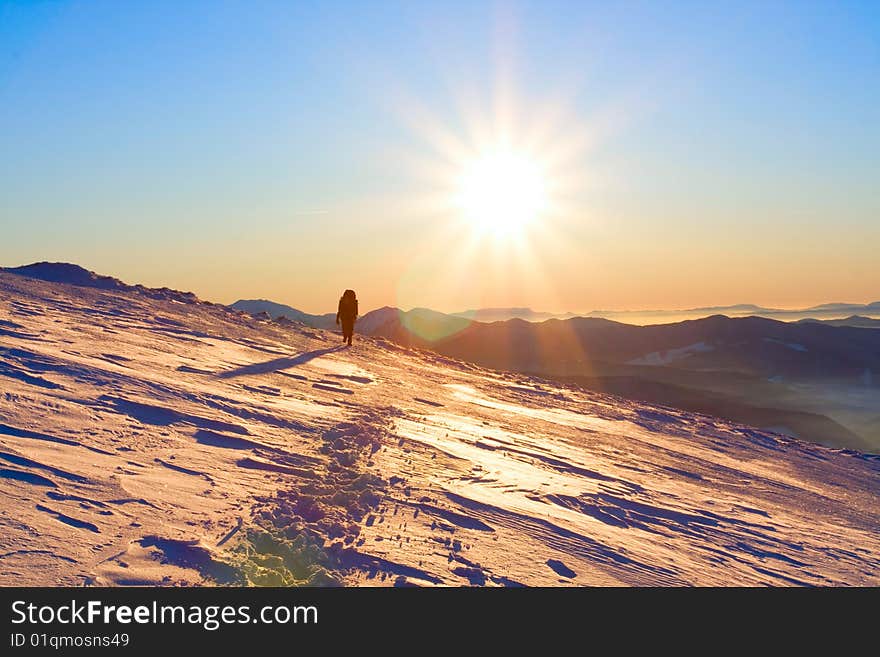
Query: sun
x,y
501,192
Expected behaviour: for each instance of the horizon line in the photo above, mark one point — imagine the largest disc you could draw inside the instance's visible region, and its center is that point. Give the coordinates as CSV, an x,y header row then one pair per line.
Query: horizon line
x,y
551,313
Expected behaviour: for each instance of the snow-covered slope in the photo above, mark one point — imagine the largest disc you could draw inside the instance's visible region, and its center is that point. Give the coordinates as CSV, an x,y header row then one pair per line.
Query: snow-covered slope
x,y
148,441
65,272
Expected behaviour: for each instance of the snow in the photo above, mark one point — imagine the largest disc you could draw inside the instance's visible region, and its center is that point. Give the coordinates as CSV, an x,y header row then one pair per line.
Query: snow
x,y
794,346
670,355
145,440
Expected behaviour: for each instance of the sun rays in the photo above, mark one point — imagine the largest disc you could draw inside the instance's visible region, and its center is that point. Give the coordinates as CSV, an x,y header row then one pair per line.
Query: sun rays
x,y
501,189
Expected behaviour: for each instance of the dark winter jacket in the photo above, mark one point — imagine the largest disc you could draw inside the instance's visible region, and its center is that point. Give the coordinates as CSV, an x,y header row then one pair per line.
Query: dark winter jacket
x,y
348,307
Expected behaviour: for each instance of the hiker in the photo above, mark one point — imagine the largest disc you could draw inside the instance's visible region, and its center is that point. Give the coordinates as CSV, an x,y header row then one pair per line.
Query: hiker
x,y
348,312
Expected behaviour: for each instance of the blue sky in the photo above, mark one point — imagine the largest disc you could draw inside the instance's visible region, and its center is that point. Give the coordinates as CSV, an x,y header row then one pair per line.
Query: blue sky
x,y
254,148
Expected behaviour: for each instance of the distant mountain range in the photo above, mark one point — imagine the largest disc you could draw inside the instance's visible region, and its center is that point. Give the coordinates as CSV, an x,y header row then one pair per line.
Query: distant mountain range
x,y
850,314
430,324
823,311
853,320
750,345
275,310
256,306
503,314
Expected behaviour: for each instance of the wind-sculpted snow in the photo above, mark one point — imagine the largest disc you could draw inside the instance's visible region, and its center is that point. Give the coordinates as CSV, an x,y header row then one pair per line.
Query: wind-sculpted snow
x,y
148,441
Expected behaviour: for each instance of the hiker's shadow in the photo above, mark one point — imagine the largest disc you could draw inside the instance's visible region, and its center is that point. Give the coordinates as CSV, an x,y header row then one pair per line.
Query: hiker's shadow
x,y
277,364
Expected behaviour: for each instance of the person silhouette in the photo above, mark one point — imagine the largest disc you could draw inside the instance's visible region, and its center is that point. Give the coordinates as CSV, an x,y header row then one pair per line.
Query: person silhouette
x,y
347,314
